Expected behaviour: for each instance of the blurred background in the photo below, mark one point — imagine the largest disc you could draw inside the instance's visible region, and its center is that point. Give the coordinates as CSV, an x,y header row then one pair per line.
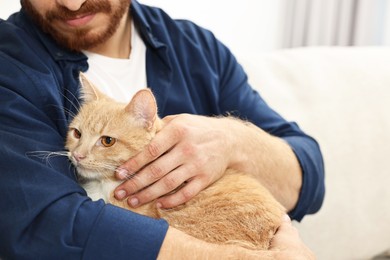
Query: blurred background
x,y
263,25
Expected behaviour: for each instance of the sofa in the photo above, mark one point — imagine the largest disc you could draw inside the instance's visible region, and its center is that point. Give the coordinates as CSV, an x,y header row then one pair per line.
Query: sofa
x,y
340,96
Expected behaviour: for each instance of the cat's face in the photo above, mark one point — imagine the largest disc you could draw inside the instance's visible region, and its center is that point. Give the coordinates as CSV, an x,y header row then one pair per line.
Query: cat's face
x,y
105,133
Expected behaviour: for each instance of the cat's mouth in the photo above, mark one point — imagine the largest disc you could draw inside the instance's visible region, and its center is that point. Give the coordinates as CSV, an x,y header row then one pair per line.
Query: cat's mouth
x,y
80,166
91,170
83,172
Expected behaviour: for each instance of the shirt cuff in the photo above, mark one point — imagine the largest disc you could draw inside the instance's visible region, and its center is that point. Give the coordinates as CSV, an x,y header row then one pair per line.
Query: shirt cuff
x,y
313,188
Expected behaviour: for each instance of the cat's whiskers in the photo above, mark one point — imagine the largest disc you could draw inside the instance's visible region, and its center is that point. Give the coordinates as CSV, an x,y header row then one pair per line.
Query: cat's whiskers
x,y
77,105
47,155
99,165
69,112
66,110
130,176
103,170
111,170
74,171
73,104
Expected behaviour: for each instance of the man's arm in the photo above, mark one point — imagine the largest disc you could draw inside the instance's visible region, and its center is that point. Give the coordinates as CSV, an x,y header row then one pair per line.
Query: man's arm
x,y
268,158
178,245
285,245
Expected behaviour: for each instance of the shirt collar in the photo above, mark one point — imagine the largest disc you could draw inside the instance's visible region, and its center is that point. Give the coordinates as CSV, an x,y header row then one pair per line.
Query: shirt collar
x,y
142,23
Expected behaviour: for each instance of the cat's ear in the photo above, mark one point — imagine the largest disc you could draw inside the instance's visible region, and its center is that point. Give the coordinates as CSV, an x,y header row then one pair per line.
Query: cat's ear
x,y
143,107
88,91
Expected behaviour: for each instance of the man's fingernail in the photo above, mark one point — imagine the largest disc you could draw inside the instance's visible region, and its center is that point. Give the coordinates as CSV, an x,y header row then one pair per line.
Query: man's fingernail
x,y
134,202
286,218
122,173
159,205
120,194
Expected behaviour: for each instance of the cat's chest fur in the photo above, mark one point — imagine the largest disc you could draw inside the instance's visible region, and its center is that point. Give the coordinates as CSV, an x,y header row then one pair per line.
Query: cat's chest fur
x,y
100,189
104,189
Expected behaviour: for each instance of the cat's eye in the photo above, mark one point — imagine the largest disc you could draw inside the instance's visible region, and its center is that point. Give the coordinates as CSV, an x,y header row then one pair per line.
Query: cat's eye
x,y
76,133
108,141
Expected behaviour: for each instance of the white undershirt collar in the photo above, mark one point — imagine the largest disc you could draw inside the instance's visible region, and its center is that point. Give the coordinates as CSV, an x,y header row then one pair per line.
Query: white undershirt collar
x,y
120,78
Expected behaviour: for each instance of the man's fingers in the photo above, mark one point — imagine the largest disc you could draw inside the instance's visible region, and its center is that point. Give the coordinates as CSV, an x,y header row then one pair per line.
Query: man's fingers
x,y
136,163
168,183
147,176
160,144
288,244
286,219
187,192
286,234
167,138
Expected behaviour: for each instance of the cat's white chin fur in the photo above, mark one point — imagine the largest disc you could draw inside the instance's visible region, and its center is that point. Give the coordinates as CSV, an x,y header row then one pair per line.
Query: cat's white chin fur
x,y
100,189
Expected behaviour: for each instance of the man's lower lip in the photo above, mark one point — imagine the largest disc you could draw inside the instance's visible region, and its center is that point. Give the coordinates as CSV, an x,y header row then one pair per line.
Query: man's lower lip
x,y
80,21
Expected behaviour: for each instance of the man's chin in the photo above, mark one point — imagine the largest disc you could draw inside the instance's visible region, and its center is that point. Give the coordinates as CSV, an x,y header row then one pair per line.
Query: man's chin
x,y
80,40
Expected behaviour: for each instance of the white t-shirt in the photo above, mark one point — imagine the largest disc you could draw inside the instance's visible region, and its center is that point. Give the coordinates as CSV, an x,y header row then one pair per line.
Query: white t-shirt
x,y
120,78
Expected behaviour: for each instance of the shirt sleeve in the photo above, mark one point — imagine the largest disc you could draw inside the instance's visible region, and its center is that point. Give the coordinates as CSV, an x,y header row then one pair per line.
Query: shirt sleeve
x,y
45,214
238,98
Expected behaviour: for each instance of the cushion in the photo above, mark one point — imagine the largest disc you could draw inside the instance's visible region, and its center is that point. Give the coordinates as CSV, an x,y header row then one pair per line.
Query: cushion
x,y
340,96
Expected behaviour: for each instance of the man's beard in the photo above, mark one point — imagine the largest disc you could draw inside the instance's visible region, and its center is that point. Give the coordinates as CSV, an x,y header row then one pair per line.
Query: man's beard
x,y
79,39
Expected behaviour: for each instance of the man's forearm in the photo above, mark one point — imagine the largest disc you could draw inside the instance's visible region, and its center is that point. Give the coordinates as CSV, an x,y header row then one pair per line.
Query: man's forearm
x,y
269,159
178,245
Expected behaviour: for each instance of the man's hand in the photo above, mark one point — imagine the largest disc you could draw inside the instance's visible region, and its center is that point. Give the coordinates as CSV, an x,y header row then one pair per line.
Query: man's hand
x,y
287,243
189,152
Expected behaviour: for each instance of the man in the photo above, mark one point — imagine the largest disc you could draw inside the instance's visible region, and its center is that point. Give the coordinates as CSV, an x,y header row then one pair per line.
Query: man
x,y
46,214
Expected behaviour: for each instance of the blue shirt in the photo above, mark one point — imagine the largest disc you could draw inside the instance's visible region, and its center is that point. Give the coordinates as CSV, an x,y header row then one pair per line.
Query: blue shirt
x,y
44,213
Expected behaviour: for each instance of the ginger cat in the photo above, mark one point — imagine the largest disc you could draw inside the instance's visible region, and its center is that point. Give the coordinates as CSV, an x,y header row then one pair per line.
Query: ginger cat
x,y
236,209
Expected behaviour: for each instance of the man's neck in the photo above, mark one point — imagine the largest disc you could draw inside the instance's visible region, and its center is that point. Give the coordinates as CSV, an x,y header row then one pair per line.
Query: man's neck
x,y
119,45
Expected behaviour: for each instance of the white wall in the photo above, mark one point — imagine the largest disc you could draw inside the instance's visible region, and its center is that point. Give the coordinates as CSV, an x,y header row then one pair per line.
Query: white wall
x,y
244,26
8,7
387,26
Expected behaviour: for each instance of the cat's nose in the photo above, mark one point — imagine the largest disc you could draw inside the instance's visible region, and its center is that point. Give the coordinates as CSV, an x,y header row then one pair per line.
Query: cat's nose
x,y
78,156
